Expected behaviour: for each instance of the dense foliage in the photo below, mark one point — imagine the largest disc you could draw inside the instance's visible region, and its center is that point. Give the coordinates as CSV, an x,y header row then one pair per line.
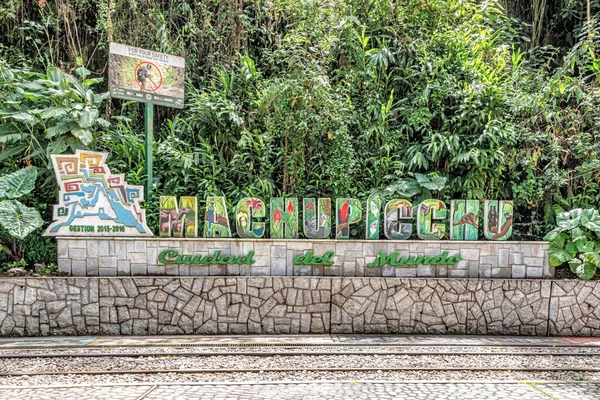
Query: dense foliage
x,y
330,97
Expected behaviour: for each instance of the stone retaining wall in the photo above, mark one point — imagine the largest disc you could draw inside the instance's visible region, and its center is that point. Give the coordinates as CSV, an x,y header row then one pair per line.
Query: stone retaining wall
x,y
139,257
271,305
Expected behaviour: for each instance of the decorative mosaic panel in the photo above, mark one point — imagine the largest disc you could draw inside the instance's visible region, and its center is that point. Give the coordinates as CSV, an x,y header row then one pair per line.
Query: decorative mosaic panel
x,y
93,201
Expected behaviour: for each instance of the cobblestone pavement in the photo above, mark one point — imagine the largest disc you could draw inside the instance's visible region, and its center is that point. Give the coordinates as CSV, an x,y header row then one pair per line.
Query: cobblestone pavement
x,y
424,340
322,390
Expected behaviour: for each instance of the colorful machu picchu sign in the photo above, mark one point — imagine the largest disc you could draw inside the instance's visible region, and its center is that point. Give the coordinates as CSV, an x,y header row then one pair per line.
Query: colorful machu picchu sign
x,y
348,212
93,201
316,218
428,212
284,218
247,211
497,219
178,221
216,220
464,219
373,216
396,211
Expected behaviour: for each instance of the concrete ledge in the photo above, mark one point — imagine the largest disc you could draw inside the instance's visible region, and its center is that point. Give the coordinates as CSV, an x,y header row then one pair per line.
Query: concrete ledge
x,y
283,305
139,257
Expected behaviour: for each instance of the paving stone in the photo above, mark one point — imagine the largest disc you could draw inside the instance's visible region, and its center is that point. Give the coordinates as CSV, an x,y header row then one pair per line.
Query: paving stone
x,y
316,390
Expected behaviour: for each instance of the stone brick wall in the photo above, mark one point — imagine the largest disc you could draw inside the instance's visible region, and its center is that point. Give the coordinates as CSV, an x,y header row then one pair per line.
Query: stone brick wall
x,y
271,305
139,257
454,306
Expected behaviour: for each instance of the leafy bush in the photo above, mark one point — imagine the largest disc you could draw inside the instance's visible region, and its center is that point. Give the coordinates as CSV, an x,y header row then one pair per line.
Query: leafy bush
x,y
18,219
47,114
576,241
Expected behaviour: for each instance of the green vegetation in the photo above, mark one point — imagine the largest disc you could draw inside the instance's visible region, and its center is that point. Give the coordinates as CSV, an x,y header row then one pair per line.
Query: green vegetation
x,y
576,240
340,98
18,219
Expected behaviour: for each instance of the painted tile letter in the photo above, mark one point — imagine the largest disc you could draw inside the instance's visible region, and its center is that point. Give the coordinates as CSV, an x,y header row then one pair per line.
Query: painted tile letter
x,y
284,218
216,220
464,219
497,219
348,212
430,211
179,221
317,219
247,209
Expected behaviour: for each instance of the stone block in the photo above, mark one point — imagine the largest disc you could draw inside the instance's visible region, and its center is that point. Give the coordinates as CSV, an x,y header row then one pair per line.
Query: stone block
x,y
157,270
302,270
485,271
519,271
139,269
533,261
63,248
279,266
426,271
406,272
64,266
123,267
107,262
260,271
458,273
79,268
107,272
501,272
534,272
516,258
78,254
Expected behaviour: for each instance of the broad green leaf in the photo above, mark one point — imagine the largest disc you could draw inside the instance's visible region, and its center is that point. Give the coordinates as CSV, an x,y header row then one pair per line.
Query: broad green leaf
x,y
584,245
52,112
558,256
83,134
88,117
17,219
574,264
585,270
404,188
559,240
11,151
57,147
102,122
593,257
24,117
92,81
571,248
577,234
590,218
33,96
18,183
58,129
570,219
550,236
83,72
587,215
431,182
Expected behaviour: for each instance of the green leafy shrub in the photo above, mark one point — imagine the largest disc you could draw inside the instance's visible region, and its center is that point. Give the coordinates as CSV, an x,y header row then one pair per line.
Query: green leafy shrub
x,y
18,219
576,241
47,114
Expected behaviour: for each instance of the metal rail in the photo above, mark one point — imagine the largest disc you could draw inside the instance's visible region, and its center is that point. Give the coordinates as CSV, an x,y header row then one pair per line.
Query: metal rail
x,y
300,345
291,353
300,369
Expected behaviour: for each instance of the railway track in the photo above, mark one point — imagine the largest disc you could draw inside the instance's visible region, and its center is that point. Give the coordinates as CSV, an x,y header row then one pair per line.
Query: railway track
x,y
261,359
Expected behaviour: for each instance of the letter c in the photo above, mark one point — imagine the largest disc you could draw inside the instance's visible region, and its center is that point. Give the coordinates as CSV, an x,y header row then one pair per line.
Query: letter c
x,y
162,256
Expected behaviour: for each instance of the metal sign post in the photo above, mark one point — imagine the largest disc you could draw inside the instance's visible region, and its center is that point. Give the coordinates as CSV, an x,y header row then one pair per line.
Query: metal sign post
x,y
149,77
148,143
